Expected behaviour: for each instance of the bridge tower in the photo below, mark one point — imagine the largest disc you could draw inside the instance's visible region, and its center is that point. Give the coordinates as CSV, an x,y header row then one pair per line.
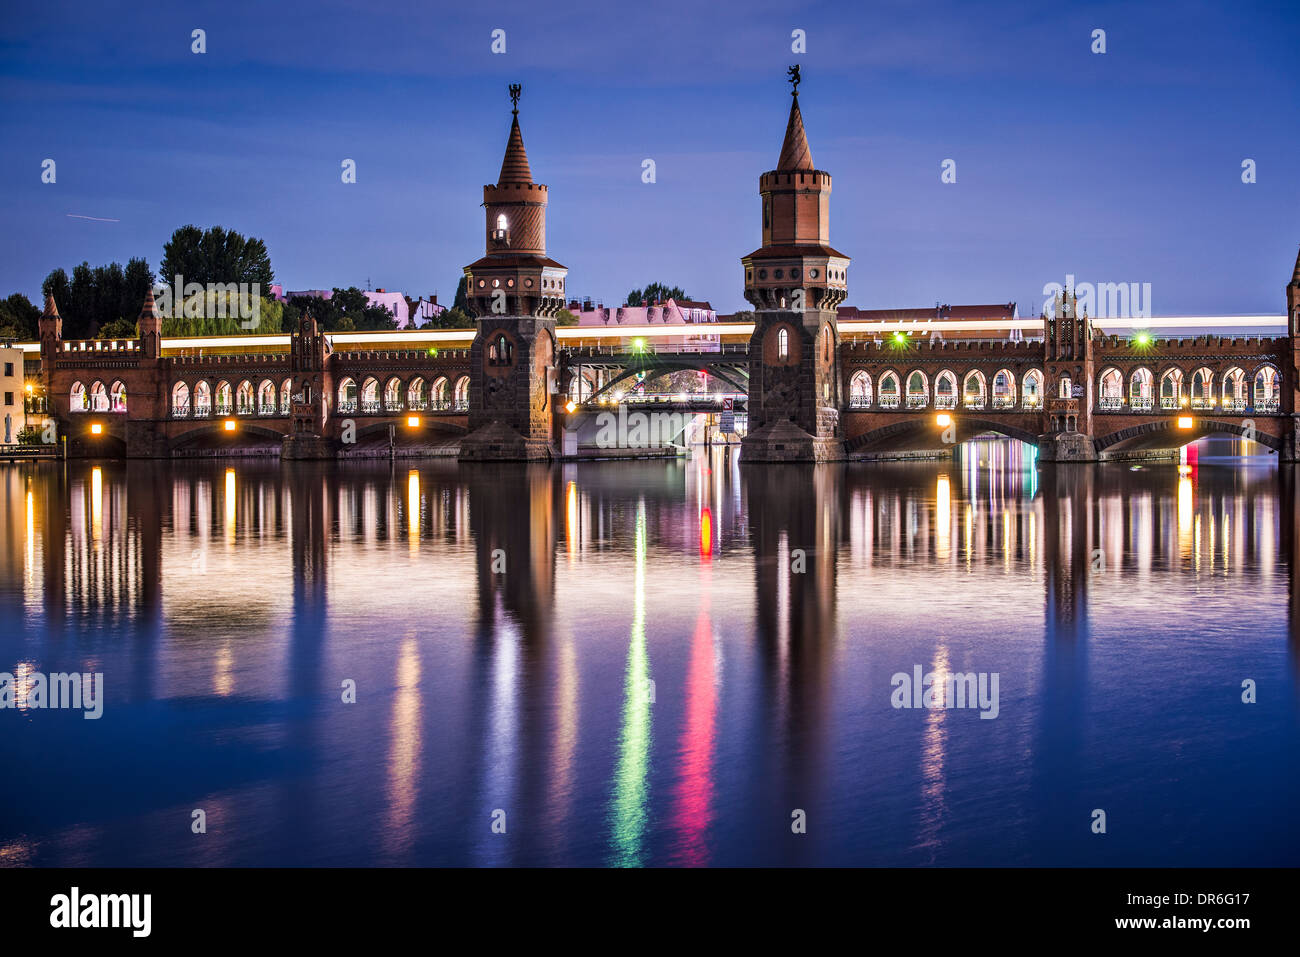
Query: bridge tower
x,y
794,281
1068,375
1291,444
515,292
309,354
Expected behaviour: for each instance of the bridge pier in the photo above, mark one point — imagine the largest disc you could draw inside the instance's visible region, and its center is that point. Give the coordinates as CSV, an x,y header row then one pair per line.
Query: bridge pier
x,y
1066,447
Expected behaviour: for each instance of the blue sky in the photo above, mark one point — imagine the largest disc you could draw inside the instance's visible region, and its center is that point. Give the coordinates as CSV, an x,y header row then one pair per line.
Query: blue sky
x,y
1121,167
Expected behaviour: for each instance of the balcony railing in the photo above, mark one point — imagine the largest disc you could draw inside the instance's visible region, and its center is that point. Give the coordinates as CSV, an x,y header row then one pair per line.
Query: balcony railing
x,y
202,411
1110,403
347,405
1169,402
1139,404
859,402
222,408
889,402
1234,405
917,401
975,402
370,406
417,405
1004,402
1268,407
945,401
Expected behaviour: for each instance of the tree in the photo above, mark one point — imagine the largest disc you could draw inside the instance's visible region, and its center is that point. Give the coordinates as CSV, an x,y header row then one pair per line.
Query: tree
x,y
453,318
19,319
461,301
655,292
119,329
565,318
95,297
216,255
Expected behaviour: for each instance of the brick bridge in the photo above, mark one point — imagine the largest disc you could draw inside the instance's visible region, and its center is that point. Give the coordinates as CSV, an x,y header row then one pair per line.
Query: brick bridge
x,y
816,389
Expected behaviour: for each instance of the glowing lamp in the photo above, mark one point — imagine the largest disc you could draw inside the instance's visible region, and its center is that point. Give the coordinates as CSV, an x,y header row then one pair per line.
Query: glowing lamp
x,y
229,425
900,337
638,345
1143,339
1184,421
96,429
413,421
944,420
570,406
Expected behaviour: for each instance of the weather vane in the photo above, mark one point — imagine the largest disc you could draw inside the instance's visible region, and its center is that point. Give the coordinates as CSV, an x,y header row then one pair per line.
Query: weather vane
x,y
515,90
793,73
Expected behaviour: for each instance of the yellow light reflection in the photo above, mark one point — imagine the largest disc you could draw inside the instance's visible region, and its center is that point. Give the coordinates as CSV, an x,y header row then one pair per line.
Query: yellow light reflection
x,y
413,508
96,502
1185,512
942,518
230,504
571,519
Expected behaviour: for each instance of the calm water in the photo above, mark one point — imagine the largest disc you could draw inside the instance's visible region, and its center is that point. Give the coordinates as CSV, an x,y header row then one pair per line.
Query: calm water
x,y
649,680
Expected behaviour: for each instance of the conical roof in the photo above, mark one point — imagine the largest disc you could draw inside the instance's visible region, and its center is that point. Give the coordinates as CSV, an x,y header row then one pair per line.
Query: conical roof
x,y
51,309
795,154
514,168
150,309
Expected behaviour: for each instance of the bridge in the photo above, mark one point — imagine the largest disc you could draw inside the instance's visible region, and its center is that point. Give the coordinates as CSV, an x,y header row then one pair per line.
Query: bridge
x,y
813,388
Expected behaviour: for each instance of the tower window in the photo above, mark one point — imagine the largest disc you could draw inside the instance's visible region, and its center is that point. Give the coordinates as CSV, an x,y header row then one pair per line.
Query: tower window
x,y
782,344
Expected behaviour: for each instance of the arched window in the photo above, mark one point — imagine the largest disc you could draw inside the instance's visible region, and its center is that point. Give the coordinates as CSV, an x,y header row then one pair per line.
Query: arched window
x,y
501,227
347,395
98,397
78,401
826,345
1268,389
1171,389
1065,388
370,395
1234,390
202,399
782,344
1202,389
500,351
439,395
266,398
918,390
1004,389
1141,390
286,396
224,403
974,390
1110,394
859,390
417,395
462,393
244,398
180,400
580,388
889,391
393,395
117,397
945,390
1032,393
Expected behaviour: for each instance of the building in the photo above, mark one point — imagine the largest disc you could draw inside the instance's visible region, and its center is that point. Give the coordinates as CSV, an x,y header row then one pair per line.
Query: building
x,y
11,394
670,313
394,302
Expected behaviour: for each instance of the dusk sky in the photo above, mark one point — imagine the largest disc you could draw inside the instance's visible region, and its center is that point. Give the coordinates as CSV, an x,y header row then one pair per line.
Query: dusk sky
x,y
1118,167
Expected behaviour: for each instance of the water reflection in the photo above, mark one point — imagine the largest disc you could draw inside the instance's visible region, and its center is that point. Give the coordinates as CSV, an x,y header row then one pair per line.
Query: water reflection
x,y
649,663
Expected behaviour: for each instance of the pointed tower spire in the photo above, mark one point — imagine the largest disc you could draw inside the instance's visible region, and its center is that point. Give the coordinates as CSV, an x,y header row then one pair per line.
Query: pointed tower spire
x,y
51,310
514,168
795,154
150,308
1295,276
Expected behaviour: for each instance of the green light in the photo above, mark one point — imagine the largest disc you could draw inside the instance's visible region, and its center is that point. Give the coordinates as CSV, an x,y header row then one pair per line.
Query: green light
x,y
1143,339
433,353
638,345
900,338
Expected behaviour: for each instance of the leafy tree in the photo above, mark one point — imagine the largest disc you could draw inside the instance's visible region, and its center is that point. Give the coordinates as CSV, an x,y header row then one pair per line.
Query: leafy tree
x,y
655,292
95,297
453,318
215,255
120,329
461,301
19,319
565,318
205,318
